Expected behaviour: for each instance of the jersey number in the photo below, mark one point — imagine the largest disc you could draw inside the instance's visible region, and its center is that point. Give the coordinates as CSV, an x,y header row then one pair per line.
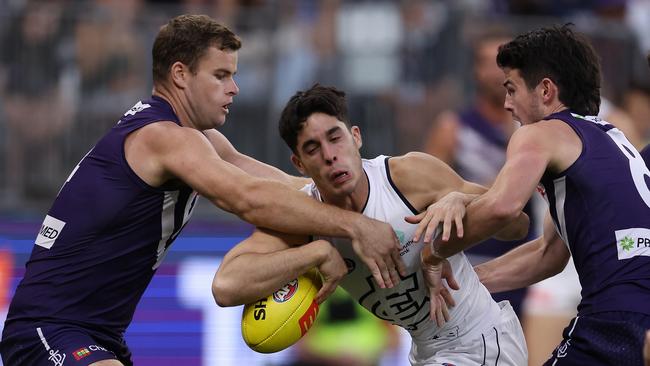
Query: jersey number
x,y
637,165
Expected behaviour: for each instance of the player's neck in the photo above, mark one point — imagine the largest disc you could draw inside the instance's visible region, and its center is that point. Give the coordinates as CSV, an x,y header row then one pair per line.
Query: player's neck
x,y
177,104
355,200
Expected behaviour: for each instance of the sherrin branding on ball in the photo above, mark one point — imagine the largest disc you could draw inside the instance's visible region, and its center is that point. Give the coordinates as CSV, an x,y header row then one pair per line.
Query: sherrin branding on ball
x,y
276,322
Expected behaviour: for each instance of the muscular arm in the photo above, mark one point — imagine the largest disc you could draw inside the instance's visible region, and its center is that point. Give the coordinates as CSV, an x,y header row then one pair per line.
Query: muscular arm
x,y
425,180
532,150
164,151
527,264
266,261
251,166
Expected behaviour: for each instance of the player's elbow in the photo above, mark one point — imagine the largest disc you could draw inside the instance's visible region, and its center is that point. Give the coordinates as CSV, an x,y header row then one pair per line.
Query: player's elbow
x,y
506,212
224,292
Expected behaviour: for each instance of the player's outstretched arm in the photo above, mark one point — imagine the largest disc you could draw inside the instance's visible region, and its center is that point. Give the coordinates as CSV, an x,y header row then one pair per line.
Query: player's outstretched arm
x,y
443,194
186,154
529,154
267,260
527,264
251,166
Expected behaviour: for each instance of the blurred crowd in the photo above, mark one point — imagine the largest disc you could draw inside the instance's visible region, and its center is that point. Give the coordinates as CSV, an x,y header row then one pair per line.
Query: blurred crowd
x,y
69,67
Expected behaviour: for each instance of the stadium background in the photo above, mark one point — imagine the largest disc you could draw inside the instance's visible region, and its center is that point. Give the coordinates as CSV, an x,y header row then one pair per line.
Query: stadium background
x,y
69,68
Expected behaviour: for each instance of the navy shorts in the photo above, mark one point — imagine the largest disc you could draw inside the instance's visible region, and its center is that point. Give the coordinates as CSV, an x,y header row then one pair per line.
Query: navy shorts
x,y
609,338
57,345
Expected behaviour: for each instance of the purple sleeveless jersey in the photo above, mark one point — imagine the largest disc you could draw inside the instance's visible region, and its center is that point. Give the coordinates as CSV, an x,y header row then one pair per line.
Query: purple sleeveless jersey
x,y
103,238
601,208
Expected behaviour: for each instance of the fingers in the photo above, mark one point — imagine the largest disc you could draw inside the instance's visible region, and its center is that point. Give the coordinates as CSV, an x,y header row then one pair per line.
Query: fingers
x,y
448,275
447,298
459,226
414,219
325,291
423,222
399,264
445,310
436,311
431,227
376,274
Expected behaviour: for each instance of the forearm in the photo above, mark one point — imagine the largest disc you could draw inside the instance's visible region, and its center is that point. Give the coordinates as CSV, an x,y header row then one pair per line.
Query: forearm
x,y
515,269
516,230
523,266
482,221
251,276
271,205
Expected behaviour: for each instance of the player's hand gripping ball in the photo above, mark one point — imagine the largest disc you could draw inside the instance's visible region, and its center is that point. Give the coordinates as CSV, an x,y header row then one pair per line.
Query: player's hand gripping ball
x,y
280,320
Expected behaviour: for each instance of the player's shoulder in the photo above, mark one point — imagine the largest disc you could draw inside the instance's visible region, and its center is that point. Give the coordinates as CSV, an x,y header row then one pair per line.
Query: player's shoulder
x,y
413,162
169,132
549,131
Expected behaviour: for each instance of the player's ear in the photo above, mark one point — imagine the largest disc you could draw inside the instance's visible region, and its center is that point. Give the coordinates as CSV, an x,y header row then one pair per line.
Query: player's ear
x,y
178,74
356,136
298,164
548,89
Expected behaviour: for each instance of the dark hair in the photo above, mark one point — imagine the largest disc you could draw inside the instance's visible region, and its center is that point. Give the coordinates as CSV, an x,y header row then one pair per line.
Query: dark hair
x,y
318,98
565,57
186,38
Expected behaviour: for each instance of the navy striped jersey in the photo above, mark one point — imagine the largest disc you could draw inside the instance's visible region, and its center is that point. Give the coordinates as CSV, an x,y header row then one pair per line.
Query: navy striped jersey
x,y
601,208
104,236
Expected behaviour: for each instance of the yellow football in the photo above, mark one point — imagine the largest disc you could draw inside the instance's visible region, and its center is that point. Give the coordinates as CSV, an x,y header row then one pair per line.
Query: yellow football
x,y
281,319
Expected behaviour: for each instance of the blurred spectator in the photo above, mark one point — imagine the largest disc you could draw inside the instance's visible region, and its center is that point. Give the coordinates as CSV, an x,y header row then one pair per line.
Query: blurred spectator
x,y
345,334
36,101
636,103
430,59
473,141
111,64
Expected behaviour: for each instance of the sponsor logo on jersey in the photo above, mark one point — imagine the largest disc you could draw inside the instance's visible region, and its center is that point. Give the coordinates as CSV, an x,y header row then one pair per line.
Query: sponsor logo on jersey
x,y
81,353
286,292
86,351
49,232
400,235
633,242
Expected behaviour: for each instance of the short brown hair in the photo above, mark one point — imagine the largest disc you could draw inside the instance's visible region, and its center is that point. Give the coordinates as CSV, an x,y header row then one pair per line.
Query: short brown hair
x,y
564,56
186,38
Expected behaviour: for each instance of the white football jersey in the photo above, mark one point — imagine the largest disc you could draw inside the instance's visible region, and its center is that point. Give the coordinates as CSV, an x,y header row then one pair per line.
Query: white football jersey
x,y
407,304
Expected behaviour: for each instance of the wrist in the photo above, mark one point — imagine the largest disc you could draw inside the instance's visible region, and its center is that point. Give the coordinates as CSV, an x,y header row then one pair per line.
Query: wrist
x,y
430,256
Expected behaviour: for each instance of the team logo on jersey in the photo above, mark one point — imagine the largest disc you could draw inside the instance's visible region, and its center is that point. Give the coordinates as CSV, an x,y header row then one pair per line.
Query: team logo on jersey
x,y
633,242
286,292
139,106
350,264
400,235
49,232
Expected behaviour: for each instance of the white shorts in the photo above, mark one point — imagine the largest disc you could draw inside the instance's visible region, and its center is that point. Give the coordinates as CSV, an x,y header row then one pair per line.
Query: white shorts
x,y
503,344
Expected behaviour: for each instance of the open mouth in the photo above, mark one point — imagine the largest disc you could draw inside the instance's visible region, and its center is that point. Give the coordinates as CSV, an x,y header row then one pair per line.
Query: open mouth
x,y
339,176
226,108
